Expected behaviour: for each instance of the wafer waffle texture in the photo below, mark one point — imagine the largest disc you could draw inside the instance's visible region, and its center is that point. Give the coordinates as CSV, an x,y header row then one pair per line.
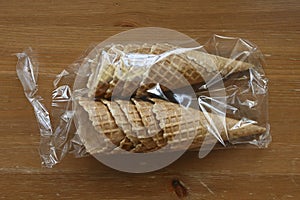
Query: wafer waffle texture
x,y
145,126
136,68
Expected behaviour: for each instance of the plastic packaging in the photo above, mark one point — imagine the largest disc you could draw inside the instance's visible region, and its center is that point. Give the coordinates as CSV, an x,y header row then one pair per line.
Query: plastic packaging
x,y
140,99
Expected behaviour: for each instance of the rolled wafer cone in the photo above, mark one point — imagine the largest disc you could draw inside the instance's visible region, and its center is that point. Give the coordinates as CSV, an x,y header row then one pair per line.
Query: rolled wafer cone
x,y
217,64
102,120
121,120
92,61
94,143
150,122
137,127
138,59
187,124
179,125
121,69
129,71
102,73
172,72
103,123
128,84
147,57
138,144
195,66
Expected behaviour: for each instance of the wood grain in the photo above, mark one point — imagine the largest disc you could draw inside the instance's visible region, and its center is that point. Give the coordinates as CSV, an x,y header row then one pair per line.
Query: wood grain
x,y
60,31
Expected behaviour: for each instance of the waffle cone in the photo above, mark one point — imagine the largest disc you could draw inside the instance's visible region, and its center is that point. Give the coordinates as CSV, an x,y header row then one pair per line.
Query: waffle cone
x,y
103,123
189,124
121,120
179,125
215,64
137,127
150,122
129,71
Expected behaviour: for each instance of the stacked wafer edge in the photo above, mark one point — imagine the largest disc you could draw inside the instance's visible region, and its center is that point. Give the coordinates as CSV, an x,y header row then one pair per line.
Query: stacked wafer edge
x,y
148,125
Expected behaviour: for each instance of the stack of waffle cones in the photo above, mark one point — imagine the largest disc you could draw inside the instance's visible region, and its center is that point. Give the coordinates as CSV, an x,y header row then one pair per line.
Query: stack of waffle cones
x,y
132,68
148,124
145,126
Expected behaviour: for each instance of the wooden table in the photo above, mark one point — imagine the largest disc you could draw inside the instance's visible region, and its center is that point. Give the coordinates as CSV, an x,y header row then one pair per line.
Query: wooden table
x,y
60,31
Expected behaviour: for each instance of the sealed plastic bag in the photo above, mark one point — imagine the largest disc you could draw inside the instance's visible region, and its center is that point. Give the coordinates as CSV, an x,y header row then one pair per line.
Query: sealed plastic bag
x,y
140,99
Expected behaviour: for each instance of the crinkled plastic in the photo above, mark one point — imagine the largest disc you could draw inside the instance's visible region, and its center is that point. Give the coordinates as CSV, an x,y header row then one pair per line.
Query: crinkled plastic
x,y
140,99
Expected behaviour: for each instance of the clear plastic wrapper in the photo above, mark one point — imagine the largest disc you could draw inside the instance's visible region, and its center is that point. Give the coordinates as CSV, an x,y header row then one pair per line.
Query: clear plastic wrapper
x,y
140,99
